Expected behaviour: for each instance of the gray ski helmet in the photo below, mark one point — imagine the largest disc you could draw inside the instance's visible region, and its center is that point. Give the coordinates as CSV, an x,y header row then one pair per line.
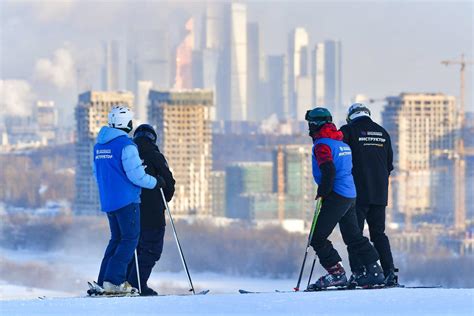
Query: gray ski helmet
x,y
146,130
357,110
318,116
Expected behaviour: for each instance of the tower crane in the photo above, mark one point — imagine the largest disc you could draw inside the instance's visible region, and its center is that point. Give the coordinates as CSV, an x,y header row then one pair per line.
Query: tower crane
x,y
460,162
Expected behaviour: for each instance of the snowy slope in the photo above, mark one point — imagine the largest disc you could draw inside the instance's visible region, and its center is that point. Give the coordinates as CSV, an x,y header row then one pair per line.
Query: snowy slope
x,y
362,302
10,292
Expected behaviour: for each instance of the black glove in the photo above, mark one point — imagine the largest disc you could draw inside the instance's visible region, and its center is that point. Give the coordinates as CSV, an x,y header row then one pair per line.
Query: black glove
x,y
160,182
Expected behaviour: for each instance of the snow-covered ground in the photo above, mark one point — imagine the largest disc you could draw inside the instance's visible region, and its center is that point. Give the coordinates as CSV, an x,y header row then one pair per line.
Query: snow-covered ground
x,y
363,302
11,292
61,276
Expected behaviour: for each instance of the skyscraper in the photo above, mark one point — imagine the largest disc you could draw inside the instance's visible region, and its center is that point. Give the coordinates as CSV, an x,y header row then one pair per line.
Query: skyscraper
x,y
149,59
111,66
275,87
143,88
91,114
298,40
184,59
253,72
183,123
238,60
226,36
213,31
303,96
327,76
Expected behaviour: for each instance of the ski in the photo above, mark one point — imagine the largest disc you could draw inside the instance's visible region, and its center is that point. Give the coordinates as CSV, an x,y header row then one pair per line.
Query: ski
x,y
204,292
241,291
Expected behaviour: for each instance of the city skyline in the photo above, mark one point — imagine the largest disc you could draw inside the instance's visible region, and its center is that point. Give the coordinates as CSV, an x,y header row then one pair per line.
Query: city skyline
x,y
362,72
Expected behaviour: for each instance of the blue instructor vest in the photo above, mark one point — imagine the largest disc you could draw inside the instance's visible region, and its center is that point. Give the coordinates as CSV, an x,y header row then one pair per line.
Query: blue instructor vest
x,y
342,159
115,189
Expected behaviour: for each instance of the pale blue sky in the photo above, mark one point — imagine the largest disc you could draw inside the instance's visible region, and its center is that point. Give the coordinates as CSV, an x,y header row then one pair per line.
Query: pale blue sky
x,y
388,46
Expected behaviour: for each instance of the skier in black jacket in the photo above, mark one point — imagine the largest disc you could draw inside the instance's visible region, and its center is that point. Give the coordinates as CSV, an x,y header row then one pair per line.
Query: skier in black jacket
x,y
372,160
152,216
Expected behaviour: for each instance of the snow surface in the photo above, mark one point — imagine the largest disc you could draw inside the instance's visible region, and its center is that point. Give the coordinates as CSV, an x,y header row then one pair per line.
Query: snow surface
x,y
9,292
361,302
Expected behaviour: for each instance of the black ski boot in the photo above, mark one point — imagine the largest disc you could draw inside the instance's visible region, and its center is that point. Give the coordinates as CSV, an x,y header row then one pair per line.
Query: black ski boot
x,y
391,279
372,276
357,274
148,291
336,277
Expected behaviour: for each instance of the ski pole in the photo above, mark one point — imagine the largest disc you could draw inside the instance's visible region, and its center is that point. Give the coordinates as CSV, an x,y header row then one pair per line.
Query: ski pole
x,y
138,272
177,242
313,224
311,273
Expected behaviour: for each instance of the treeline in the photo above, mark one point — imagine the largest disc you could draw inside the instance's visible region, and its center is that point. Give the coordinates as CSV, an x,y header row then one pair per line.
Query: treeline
x,y
30,179
234,250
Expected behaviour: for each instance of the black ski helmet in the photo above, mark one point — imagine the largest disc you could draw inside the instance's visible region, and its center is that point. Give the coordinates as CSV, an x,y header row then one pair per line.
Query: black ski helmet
x,y
146,130
318,117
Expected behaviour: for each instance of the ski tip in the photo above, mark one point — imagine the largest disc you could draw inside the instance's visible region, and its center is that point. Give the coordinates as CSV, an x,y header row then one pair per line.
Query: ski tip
x,y
203,292
244,292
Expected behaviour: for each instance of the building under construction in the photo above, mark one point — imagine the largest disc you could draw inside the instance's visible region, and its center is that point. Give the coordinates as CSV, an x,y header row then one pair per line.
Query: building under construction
x,y
91,114
182,119
424,128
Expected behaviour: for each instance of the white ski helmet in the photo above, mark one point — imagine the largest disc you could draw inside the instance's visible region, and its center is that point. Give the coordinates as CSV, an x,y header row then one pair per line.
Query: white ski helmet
x,y
357,110
121,117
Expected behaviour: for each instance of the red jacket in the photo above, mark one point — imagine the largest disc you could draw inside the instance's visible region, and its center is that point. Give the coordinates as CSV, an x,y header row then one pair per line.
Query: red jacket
x,y
322,152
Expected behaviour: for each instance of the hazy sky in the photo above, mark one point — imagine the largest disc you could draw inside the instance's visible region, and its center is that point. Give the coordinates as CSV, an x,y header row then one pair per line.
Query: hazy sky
x,y
388,46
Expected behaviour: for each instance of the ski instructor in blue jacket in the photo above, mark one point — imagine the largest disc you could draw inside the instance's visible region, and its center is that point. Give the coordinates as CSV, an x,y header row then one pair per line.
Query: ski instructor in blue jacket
x,y
120,176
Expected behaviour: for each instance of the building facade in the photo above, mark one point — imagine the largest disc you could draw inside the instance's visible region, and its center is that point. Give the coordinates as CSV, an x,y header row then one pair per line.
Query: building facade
x,y
294,182
183,124
218,189
249,191
47,119
423,132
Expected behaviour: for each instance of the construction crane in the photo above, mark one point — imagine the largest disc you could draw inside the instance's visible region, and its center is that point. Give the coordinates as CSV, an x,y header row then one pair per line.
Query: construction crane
x,y
463,63
460,162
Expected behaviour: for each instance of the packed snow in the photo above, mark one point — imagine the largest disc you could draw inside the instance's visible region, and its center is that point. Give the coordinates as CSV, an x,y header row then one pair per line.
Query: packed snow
x,y
19,294
396,301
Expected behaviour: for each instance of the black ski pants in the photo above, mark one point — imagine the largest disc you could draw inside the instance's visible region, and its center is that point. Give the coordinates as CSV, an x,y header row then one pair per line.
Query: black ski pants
x,y
338,209
150,247
375,217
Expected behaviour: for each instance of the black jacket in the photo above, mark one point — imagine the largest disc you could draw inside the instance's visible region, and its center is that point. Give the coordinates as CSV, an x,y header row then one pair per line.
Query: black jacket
x,y
152,208
372,159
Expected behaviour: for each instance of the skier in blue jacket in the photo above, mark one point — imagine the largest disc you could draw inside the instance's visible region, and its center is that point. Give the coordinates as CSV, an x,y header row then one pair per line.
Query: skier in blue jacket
x,y
120,176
